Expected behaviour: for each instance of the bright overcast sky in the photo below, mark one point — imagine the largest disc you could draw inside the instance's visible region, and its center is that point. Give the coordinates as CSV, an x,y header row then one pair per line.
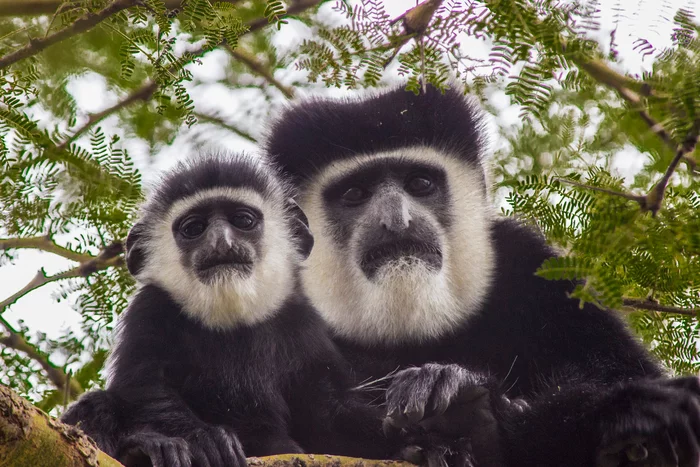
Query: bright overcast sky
x,y
648,18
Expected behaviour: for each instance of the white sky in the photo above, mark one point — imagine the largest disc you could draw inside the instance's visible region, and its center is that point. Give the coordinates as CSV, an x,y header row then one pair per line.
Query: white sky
x,y
39,310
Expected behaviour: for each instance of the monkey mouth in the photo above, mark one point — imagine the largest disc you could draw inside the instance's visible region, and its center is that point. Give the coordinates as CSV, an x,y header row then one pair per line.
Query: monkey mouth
x,y
380,255
212,269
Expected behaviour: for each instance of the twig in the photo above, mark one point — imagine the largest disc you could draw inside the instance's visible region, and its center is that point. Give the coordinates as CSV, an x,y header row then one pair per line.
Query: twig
x,y
110,256
602,73
44,243
259,69
656,195
57,376
217,120
82,24
645,304
415,21
142,94
631,197
294,9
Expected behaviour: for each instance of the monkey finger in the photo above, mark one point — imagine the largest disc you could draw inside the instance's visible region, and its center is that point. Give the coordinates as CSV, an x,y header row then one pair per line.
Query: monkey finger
x,y
435,458
214,455
239,454
390,428
412,454
199,457
444,391
229,448
176,453
157,457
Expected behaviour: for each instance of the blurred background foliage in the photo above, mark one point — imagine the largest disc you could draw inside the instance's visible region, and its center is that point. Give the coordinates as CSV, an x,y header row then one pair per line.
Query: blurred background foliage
x,y
97,95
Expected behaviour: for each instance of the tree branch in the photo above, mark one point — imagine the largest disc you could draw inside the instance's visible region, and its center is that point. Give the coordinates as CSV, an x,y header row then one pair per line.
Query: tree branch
x,y
599,71
44,7
58,377
656,195
142,94
44,244
82,24
148,88
259,69
645,304
110,256
639,199
217,120
30,437
294,9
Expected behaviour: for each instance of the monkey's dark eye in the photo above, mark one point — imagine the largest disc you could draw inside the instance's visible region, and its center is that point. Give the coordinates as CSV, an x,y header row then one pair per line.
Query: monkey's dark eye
x,y
244,221
419,185
193,227
355,195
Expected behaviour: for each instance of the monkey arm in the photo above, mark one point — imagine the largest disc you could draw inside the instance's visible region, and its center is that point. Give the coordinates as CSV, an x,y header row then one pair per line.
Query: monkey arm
x,y
655,422
149,363
330,418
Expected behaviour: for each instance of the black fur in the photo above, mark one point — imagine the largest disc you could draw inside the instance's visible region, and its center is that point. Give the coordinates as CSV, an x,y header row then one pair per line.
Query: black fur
x,y
319,132
180,392
581,390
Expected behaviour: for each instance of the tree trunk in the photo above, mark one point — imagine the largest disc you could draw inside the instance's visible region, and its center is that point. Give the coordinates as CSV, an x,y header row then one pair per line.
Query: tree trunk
x,y
29,437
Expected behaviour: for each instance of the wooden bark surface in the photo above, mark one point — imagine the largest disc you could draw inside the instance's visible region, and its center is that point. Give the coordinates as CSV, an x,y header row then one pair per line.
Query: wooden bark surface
x,y
29,437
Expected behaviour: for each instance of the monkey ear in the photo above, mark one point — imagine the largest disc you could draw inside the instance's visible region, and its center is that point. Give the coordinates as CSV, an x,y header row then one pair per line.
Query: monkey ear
x,y
135,249
303,237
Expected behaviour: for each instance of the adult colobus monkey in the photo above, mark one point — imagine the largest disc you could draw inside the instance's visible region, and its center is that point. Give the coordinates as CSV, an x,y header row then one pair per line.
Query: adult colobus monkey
x,y
219,355
412,269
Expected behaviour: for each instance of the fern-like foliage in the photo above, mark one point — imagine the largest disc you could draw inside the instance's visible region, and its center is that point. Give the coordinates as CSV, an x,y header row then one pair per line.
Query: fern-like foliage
x,y
615,249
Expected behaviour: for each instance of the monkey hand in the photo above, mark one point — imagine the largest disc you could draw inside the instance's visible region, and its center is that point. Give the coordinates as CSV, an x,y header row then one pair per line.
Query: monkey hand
x,y
216,446
422,393
651,423
444,410
150,448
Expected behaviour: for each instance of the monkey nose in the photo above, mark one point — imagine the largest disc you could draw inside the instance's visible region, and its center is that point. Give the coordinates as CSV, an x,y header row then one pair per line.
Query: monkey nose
x,y
221,236
396,221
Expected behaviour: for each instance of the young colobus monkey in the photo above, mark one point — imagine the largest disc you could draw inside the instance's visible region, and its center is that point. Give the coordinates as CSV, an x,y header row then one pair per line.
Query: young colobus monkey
x,y
412,269
219,355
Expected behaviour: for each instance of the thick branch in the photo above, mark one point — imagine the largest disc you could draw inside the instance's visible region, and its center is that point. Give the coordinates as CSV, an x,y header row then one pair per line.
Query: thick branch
x,y
44,244
260,70
643,304
30,437
82,24
57,376
110,256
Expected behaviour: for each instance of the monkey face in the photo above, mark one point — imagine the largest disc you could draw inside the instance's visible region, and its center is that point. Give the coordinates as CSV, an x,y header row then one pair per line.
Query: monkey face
x,y
390,214
402,246
219,238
